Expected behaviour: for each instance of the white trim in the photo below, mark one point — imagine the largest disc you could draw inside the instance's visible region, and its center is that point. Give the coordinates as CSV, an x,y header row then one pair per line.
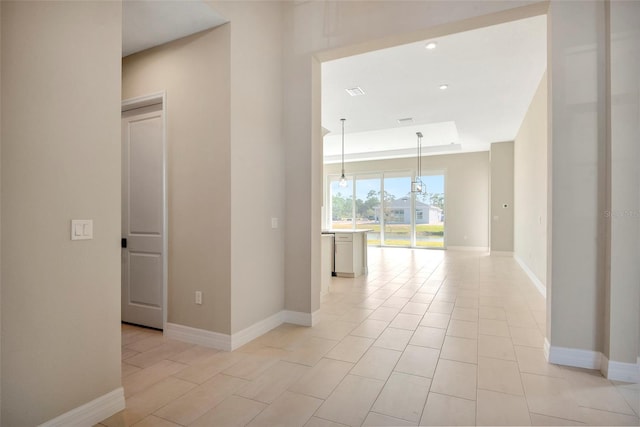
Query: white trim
x,y
256,330
501,253
575,357
231,342
538,284
198,336
620,371
300,318
546,348
469,248
92,412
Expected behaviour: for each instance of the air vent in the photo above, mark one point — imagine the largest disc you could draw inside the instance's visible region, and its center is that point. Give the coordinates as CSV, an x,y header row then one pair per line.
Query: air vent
x,y
406,121
355,91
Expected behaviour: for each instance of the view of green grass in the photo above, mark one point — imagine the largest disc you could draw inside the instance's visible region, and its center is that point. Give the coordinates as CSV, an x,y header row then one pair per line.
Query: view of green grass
x,y
435,229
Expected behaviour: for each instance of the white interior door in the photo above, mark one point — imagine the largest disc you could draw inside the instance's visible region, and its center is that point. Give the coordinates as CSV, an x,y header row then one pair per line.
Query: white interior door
x,y
143,220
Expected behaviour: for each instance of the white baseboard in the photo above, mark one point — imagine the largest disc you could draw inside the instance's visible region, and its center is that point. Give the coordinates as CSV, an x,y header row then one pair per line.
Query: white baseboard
x,y
501,253
542,288
469,248
198,336
576,357
246,335
620,371
299,318
231,342
546,348
91,413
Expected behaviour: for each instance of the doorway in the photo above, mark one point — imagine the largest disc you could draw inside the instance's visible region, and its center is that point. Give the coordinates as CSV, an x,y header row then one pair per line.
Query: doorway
x,y
144,212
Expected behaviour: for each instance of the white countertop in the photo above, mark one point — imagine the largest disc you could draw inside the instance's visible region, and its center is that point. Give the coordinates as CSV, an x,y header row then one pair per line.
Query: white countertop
x,y
345,231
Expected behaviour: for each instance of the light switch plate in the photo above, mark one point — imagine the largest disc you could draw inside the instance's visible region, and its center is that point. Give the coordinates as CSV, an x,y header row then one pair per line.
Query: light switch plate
x,y
274,222
81,229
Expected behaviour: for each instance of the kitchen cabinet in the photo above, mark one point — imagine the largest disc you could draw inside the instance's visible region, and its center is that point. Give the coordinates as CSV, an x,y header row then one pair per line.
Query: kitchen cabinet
x,y
350,253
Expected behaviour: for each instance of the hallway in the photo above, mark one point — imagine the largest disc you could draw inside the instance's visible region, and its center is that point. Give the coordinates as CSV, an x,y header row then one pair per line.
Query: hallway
x,y
426,338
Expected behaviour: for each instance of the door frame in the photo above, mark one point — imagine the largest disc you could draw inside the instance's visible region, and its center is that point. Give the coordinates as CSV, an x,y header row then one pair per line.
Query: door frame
x,y
140,102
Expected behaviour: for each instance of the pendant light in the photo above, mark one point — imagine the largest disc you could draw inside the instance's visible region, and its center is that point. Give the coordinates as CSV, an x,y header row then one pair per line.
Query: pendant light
x,y
343,179
417,186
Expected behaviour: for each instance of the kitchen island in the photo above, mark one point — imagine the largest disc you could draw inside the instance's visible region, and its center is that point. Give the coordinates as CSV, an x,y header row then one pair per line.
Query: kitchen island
x,y
349,252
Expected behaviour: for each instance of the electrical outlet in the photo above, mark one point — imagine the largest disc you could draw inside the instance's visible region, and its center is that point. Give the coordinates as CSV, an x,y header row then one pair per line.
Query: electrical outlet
x,y
198,297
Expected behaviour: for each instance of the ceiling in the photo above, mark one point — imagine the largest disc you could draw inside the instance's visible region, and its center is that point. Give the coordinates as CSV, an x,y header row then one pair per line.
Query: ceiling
x,y
492,74
149,23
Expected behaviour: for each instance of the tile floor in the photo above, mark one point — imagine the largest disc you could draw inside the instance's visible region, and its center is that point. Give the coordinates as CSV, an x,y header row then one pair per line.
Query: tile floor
x,y
426,338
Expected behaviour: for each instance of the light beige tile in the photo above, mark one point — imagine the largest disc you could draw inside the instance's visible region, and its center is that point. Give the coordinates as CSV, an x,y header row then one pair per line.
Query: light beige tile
x,y
460,349
418,361
499,375
455,379
394,339
499,409
406,321
385,313
545,420
403,396
592,390
422,297
380,420
632,397
463,329
441,307
597,417
370,328
201,399
310,351
495,313
350,349
319,422
156,396
153,421
206,368
331,330
251,367
415,308
531,360
193,354
144,378
396,302
521,318
428,337
530,337
165,350
273,382
495,346
377,363
290,409
351,400
468,314
356,315
322,379
234,411
126,353
493,327
435,320
128,369
443,410
372,302
550,396
149,341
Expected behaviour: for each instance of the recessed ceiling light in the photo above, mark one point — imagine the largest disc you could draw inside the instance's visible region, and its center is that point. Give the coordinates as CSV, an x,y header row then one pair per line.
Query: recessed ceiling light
x,y
431,45
355,91
444,87
405,121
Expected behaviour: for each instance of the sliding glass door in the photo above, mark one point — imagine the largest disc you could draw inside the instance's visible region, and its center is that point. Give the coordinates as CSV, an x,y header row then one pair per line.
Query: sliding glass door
x,y
397,223
384,204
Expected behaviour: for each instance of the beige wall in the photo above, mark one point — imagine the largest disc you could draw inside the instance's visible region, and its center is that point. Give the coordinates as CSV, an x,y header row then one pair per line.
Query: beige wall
x,y
501,199
60,160
530,186
466,186
257,161
329,30
622,344
195,74
577,102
